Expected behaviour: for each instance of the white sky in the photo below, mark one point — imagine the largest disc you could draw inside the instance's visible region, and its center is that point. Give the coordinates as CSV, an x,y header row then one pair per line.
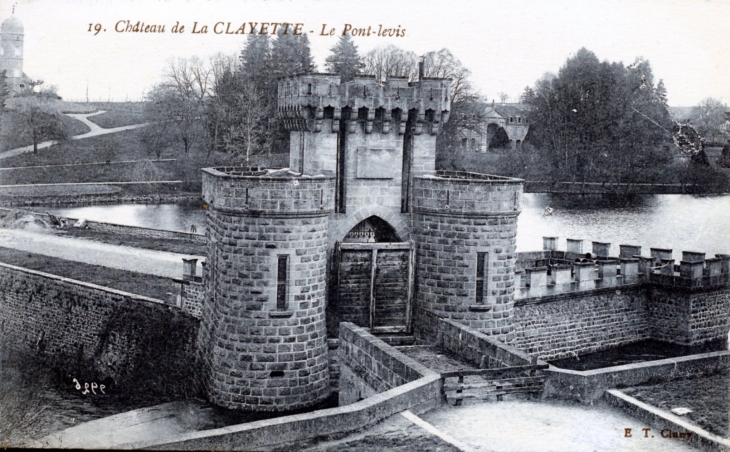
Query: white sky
x,y
507,44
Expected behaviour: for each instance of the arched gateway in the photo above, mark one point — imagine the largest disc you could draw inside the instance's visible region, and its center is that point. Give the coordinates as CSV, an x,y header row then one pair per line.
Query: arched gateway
x,y
373,278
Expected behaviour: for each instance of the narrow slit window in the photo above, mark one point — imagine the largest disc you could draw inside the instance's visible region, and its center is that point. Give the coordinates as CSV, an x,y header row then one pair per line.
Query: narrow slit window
x,y
481,280
281,274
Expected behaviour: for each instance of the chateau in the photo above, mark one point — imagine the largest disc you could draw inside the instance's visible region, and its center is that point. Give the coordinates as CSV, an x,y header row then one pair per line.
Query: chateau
x,y
318,273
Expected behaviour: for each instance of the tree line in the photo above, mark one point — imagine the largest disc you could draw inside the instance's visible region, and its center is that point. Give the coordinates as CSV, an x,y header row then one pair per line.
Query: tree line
x,y
601,121
591,121
228,104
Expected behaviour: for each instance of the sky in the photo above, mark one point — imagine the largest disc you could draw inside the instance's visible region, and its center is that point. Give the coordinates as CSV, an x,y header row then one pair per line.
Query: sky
x,y
507,44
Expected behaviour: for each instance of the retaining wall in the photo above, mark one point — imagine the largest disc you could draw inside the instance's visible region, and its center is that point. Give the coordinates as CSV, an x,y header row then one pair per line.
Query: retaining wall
x,y
418,395
93,332
136,231
589,385
94,199
144,232
578,323
369,366
478,348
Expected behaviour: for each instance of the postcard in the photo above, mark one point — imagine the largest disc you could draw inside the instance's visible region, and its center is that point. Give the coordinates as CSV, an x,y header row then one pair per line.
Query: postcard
x,y
384,225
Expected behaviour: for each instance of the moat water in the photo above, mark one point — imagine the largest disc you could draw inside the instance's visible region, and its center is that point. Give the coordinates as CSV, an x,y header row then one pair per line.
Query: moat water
x,y
678,222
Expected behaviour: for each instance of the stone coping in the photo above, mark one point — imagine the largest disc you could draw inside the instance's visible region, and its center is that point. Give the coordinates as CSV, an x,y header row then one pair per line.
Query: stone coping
x,y
589,385
233,172
661,419
468,177
87,285
642,365
418,396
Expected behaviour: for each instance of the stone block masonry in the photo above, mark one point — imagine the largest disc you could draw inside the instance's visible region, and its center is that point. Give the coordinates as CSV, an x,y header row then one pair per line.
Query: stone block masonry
x,y
579,323
465,233
689,317
263,337
369,366
93,332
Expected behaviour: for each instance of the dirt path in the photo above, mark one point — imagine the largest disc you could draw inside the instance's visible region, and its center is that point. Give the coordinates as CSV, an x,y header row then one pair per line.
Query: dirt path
x,y
95,131
159,263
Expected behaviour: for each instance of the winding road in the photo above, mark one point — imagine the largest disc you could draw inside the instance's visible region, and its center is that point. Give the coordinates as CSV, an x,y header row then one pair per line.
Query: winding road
x,y
94,131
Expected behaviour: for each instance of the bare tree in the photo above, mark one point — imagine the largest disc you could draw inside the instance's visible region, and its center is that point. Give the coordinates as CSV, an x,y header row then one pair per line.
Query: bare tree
x,y
709,117
180,99
391,61
466,113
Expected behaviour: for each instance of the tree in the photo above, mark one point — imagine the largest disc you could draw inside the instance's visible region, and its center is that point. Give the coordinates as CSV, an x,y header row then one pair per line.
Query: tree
x,y
391,61
34,117
344,59
176,107
466,114
246,94
528,95
661,93
291,55
600,120
4,90
503,97
709,117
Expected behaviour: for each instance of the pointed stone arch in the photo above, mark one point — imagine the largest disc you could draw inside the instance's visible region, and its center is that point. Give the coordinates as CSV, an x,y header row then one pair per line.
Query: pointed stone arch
x,y
395,220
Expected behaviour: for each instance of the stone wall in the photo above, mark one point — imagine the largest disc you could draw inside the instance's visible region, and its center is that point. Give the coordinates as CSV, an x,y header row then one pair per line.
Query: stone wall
x,y
588,386
144,232
482,351
689,317
369,366
458,220
21,200
95,332
192,295
579,323
263,336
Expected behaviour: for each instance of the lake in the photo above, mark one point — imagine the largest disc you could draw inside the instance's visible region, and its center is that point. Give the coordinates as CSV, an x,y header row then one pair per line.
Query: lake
x,y
679,222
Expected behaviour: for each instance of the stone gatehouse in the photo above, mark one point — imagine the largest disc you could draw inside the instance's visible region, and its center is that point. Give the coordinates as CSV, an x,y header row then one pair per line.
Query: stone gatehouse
x,y
362,228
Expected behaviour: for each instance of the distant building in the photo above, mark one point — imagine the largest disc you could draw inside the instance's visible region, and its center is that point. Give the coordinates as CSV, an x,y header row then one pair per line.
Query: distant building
x,y
502,126
11,54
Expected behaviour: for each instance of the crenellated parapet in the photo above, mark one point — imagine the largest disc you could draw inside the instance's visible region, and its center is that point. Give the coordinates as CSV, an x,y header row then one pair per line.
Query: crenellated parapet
x,y
318,102
553,271
267,192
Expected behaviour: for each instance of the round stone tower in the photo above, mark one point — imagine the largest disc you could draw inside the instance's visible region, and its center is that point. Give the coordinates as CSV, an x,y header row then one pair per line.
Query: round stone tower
x,y
465,233
262,339
11,52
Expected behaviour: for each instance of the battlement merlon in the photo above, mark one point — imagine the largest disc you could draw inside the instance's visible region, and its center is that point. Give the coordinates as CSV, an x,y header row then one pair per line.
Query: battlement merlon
x,y
305,100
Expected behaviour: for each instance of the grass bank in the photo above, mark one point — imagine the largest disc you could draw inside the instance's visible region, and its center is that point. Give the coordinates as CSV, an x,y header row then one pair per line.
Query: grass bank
x,y
136,283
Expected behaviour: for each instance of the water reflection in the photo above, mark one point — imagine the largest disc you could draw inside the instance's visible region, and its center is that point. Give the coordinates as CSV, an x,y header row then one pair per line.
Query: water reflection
x,y
679,222
171,217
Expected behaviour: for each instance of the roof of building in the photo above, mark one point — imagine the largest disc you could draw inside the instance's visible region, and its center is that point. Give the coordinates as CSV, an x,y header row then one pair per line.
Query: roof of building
x,y
508,110
11,25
